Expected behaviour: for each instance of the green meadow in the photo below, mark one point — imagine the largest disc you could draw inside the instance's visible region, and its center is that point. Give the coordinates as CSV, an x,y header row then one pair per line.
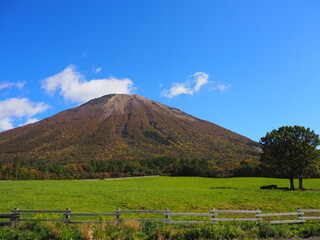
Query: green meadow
x,y
179,194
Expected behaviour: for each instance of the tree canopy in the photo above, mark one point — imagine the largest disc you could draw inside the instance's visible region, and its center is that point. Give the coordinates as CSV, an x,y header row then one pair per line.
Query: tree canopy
x,y
292,152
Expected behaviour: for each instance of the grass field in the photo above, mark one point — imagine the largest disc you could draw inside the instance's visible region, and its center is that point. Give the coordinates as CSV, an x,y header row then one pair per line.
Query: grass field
x,y
185,194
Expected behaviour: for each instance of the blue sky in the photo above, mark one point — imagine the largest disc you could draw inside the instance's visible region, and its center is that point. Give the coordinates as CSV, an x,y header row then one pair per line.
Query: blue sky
x,y
248,66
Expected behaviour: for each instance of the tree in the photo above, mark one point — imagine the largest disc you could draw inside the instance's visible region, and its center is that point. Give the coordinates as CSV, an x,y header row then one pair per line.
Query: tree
x,y
292,152
17,163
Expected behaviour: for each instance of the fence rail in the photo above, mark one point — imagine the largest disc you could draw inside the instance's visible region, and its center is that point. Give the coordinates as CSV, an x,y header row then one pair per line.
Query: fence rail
x,y
166,216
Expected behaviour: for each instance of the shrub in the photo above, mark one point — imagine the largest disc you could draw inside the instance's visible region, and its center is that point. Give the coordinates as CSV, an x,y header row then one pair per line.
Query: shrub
x,y
134,230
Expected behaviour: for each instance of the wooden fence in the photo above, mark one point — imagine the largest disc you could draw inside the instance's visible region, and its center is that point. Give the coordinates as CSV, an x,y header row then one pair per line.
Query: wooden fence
x,y
166,216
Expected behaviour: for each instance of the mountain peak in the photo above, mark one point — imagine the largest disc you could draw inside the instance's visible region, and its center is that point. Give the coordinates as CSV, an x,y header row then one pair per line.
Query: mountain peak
x,y
115,98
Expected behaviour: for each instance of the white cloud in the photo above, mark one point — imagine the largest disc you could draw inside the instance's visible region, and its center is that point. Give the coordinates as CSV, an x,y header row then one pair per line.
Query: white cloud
x,y
20,107
17,108
188,87
200,79
31,120
5,124
75,88
12,84
177,89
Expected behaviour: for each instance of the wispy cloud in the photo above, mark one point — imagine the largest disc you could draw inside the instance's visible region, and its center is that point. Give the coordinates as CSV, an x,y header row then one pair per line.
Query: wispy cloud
x,y
97,70
73,86
14,108
84,54
29,121
201,79
223,87
177,89
12,84
32,120
197,82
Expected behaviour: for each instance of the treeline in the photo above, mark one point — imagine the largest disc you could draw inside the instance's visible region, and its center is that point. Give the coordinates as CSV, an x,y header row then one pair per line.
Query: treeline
x,y
21,169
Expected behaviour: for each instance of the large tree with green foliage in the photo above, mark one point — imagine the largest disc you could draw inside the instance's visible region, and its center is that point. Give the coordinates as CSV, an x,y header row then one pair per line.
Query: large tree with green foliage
x,y
292,152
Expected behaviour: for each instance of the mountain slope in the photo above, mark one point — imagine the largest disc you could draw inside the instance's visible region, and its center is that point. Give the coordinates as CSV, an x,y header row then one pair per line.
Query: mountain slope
x,y
122,126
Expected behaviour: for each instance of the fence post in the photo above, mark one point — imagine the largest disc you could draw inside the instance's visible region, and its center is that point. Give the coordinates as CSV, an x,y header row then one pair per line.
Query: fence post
x,y
257,215
299,213
213,214
14,220
68,210
118,215
167,216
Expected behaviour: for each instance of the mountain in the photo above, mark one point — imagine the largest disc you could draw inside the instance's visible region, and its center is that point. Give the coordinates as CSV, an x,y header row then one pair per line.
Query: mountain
x,y
121,126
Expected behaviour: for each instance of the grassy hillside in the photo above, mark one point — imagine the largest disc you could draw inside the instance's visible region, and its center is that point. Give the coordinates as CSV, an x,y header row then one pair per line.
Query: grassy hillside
x,y
187,194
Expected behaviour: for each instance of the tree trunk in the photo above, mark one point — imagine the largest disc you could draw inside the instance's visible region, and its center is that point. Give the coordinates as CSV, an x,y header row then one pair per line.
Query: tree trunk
x,y
300,184
292,183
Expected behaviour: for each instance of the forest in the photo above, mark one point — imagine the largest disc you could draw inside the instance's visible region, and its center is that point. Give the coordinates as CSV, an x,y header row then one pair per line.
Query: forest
x,y
22,169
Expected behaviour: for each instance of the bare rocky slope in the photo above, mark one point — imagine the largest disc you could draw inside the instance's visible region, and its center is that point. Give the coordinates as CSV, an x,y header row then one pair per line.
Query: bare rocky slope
x,y
122,126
